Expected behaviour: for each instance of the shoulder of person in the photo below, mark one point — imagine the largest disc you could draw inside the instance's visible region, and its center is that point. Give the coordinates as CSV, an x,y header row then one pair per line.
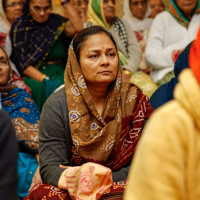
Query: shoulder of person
x,y
57,99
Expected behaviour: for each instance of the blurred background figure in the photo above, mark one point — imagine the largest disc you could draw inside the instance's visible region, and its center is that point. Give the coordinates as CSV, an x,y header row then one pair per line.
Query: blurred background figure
x,y
171,31
9,11
82,8
25,118
137,12
165,92
8,157
42,56
156,6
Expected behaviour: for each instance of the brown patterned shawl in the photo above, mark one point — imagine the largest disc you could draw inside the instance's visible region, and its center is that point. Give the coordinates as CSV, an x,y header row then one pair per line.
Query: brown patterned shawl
x,y
109,139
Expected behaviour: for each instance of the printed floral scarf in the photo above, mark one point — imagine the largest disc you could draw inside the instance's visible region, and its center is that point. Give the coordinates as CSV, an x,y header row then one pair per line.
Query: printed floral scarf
x,y
109,139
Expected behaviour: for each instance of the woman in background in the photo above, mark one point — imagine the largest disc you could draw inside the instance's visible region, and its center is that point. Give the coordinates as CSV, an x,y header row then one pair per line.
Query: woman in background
x,y
166,164
171,31
40,42
156,6
9,11
137,12
25,118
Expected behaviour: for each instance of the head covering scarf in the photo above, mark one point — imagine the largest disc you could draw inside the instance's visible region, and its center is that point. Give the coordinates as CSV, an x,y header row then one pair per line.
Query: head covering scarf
x,y
176,12
3,18
137,24
23,112
111,138
96,17
31,40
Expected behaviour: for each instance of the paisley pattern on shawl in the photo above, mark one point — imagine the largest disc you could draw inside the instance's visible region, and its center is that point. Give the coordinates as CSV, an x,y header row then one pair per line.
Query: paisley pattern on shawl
x,y
109,139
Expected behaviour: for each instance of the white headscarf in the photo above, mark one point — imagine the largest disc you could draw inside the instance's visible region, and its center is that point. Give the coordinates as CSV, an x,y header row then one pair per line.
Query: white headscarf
x,y
5,28
3,18
137,24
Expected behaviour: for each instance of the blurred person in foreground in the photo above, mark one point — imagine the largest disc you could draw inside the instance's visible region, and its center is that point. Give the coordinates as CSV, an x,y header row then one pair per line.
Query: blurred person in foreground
x,y
8,157
166,164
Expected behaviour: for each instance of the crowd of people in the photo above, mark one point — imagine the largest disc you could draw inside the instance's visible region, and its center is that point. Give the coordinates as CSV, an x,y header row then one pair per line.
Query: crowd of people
x,y
78,94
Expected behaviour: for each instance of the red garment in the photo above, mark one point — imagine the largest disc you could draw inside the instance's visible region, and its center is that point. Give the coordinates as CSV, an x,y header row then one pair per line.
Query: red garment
x,y
50,192
18,81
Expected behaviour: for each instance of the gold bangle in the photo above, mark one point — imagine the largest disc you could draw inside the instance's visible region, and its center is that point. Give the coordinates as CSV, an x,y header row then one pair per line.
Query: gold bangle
x,y
42,77
127,72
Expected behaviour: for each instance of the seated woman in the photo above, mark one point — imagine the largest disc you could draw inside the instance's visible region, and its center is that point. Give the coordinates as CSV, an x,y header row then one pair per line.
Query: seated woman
x,y
102,13
137,12
40,41
25,118
96,118
9,11
171,31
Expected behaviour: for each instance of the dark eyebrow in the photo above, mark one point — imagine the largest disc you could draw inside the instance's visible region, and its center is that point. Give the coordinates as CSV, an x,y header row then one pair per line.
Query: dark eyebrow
x,y
97,50
3,58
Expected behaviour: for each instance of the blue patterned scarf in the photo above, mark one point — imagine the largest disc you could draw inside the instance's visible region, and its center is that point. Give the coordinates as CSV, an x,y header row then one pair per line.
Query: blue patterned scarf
x,y
24,114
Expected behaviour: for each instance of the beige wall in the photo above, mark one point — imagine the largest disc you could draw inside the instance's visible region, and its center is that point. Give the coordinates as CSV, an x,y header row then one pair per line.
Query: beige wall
x,y
120,8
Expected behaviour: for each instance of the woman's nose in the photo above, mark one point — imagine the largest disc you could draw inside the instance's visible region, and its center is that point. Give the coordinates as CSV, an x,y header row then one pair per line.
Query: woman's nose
x,y
104,60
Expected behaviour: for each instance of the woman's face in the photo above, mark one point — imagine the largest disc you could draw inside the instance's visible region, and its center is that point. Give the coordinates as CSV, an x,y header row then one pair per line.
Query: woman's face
x,y
40,10
13,9
156,6
4,68
99,60
187,6
81,6
109,10
138,8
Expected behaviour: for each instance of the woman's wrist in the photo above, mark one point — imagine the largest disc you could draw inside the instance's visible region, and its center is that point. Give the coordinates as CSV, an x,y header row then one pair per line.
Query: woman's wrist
x,y
42,77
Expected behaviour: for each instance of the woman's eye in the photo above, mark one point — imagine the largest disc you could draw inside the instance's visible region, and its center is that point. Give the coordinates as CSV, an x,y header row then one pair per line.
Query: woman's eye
x,y
94,56
3,62
111,54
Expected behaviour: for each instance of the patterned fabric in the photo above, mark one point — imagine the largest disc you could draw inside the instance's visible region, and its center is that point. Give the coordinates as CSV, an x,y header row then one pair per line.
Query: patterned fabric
x,y
24,114
109,139
176,12
45,191
18,81
32,41
2,39
88,181
167,77
96,17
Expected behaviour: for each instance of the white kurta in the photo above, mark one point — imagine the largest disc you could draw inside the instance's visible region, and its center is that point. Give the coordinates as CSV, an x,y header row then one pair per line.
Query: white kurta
x,y
166,35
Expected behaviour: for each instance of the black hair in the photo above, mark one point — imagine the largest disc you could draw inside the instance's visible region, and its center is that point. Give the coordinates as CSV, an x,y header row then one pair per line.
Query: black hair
x,y
4,4
82,36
